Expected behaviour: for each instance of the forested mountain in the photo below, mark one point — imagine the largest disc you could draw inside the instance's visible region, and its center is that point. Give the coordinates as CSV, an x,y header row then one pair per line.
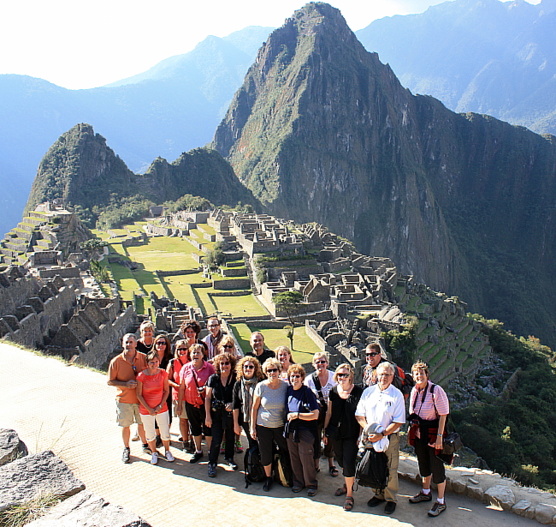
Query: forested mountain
x,y
322,131
484,56
165,111
82,170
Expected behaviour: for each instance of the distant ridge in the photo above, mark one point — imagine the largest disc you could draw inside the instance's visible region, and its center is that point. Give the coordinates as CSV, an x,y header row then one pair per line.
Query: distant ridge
x,y
176,107
484,56
322,131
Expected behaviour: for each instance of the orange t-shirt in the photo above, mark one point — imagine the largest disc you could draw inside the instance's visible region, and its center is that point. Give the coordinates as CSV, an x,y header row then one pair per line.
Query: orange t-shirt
x,y
122,370
152,390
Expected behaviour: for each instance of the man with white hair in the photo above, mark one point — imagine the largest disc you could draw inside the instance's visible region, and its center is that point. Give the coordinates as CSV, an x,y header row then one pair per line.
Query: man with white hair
x,y
381,413
122,374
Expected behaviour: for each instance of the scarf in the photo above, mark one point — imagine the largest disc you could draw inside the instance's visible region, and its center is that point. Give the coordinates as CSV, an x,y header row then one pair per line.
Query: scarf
x,y
247,390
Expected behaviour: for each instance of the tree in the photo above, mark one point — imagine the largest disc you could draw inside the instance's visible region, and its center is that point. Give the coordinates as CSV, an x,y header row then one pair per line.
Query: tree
x,y
289,301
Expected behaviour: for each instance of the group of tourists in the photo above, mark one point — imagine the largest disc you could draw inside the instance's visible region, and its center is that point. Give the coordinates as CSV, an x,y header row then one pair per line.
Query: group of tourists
x,y
289,418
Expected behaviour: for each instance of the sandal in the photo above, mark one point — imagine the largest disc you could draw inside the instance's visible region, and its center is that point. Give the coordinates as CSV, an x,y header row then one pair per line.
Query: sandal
x,y
333,471
341,491
348,504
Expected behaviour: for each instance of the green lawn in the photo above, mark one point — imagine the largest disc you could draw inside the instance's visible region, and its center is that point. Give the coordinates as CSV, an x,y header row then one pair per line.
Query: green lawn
x,y
246,306
304,347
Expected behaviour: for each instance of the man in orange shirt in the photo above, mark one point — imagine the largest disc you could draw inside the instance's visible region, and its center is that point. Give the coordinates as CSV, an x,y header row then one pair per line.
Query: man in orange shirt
x,y
122,374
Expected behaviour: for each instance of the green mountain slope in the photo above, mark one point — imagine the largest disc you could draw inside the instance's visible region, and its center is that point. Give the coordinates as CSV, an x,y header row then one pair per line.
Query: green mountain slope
x,y
322,131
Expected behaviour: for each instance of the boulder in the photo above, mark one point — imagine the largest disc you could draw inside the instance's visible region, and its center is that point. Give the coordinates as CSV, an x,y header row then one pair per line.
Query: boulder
x,y
545,514
501,496
88,510
11,447
28,476
523,508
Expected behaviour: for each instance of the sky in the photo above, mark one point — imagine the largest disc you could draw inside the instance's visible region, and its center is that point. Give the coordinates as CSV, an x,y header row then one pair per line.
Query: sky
x,y
83,44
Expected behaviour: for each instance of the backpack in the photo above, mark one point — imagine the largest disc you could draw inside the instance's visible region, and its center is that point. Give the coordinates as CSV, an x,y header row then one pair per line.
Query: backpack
x,y
372,469
402,381
254,471
283,473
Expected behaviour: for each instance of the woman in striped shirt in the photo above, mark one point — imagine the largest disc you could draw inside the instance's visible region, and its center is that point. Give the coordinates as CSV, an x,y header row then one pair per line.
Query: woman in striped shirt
x,y
428,408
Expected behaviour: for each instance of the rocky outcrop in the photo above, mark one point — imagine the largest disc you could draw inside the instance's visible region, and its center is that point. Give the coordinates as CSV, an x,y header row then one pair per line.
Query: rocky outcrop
x,y
23,479
88,510
26,477
11,447
322,131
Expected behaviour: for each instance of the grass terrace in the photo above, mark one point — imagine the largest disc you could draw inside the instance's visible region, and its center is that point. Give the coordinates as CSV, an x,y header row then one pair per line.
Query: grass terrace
x,y
304,347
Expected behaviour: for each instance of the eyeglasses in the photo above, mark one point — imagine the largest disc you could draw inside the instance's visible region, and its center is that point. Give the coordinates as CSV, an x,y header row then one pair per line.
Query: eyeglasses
x,y
373,354
248,367
342,375
321,361
272,370
295,376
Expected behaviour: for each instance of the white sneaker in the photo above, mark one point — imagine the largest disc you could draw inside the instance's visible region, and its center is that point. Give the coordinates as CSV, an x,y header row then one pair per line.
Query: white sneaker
x,y
154,458
169,456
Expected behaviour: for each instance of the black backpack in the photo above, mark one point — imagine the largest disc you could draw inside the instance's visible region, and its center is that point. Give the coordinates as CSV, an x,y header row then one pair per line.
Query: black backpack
x,y
372,469
254,471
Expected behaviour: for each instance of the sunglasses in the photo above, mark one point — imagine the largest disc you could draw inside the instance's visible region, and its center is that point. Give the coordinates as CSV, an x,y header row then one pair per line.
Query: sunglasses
x,y
342,375
295,376
228,346
182,349
224,364
373,354
321,361
160,342
272,370
248,367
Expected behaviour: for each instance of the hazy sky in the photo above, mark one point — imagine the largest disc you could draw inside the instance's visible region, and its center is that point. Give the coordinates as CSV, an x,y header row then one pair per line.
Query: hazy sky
x,y
83,44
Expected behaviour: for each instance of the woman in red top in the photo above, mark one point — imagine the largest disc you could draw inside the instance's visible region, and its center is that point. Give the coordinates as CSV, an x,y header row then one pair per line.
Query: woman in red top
x,y
181,358
193,378
152,392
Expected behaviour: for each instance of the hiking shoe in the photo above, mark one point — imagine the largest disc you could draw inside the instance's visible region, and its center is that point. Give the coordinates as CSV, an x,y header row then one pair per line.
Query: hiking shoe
x,y
212,470
437,508
418,498
126,455
390,507
239,448
196,457
231,463
154,458
146,449
374,502
267,484
169,456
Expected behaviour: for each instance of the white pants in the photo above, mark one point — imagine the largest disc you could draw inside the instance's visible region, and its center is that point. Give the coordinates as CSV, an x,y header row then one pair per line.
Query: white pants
x,y
163,425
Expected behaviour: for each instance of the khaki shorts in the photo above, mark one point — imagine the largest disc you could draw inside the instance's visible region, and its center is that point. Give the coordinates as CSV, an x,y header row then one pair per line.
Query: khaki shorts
x,y
127,414
183,412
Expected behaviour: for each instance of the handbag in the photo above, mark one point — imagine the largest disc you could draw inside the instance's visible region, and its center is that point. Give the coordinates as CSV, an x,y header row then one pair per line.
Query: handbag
x,y
451,443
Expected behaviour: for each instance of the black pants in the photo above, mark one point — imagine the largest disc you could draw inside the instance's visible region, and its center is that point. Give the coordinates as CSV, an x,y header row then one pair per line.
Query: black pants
x,y
222,428
346,455
267,438
429,463
196,417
